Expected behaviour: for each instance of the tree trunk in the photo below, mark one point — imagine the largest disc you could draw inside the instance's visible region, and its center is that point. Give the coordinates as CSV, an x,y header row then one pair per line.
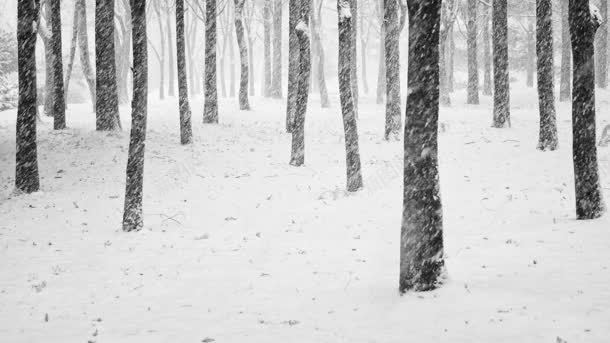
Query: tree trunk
x,y
547,139
72,54
161,51
602,47
473,65
392,67
244,104
172,78
83,46
132,216
530,58
294,9
210,105
381,68
319,48
297,157
363,52
501,114
251,64
59,102
231,63
446,13
276,77
487,88
107,102
451,60
267,48
186,131
26,156
589,201
565,92
354,55
421,247
350,125
43,30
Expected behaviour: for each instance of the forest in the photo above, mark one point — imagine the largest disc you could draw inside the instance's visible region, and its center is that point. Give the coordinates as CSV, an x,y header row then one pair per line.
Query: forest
x,y
304,171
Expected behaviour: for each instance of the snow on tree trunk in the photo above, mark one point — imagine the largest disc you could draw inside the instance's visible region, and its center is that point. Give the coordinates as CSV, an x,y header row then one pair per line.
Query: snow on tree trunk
x,y
601,49
583,24
26,156
354,55
132,215
267,47
186,132
107,101
350,125
472,96
83,46
565,88
294,9
276,75
297,157
210,106
421,246
59,102
547,138
501,111
392,67
244,104
381,68
319,49
487,87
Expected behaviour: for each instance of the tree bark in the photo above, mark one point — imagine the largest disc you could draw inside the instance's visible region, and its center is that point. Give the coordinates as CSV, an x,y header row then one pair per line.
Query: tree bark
x,y
72,53
487,88
83,46
244,104
421,247
530,57
294,8
392,67
170,54
316,19
186,131
26,156
501,112
601,49
547,139
589,198
381,68
267,47
107,102
210,106
350,125
276,77
59,102
161,50
354,55
472,96
447,21
565,91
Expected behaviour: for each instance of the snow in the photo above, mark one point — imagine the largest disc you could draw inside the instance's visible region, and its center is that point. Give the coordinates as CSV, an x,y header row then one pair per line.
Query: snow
x,y
303,27
238,244
346,11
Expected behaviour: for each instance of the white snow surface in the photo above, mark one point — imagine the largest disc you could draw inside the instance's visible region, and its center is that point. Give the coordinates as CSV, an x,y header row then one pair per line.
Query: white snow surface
x,y
240,246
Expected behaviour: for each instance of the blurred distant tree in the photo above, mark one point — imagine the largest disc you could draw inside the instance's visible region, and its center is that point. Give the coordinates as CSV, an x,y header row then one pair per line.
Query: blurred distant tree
x,y
8,53
547,137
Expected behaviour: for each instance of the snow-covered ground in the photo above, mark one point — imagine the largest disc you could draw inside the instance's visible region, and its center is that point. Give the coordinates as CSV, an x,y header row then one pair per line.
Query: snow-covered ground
x,y
239,246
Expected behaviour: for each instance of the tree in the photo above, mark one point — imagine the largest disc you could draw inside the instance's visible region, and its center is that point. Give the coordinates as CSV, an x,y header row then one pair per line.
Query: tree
x,y
132,215
44,27
348,112
601,50
501,111
59,102
186,133
472,96
316,18
354,59
83,46
244,104
583,24
392,68
565,92
161,53
107,102
486,54
276,75
267,47
421,247
171,89
210,106
26,156
381,68
297,157
547,139
448,15
530,54
294,8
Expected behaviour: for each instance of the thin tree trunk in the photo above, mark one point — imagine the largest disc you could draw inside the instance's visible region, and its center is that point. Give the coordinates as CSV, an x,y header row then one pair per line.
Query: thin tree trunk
x,y
451,60
501,112
276,77
83,46
421,247
350,124
601,50
161,51
186,131
294,9
26,156
473,65
530,58
319,48
547,139
210,105
446,14
72,54
589,197
59,102
170,53
381,68
267,48
392,67
132,216
297,157
354,56
244,104
363,51
231,63
487,87
565,91
107,102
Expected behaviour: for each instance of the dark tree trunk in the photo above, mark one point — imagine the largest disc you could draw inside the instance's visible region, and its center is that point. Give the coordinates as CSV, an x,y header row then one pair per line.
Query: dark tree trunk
x,y
132,216
501,114
319,52
267,47
210,106
107,101
473,65
421,247
354,57
83,46
26,156
276,77
392,67
381,71
294,9
59,102
530,58
547,139
589,201
350,125
172,78
487,88
565,91
244,104
601,49
43,30
186,131
297,157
